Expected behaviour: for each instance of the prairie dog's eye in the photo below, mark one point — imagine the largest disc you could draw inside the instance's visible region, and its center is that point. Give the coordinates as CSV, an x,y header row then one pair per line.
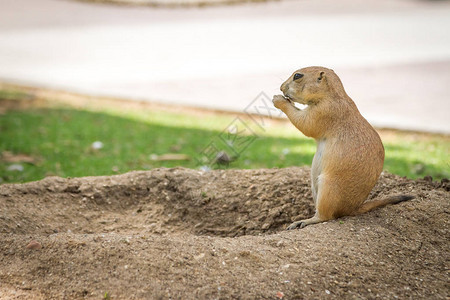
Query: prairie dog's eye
x,y
297,76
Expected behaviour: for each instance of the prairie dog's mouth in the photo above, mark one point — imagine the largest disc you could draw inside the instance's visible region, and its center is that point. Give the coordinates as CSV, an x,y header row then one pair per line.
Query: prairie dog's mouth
x,y
295,103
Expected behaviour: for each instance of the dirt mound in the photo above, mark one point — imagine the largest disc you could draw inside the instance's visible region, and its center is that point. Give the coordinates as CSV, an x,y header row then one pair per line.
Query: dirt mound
x,y
180,233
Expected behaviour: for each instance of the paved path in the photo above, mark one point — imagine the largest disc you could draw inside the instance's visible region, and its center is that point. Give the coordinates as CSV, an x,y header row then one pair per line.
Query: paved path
x,y
392,55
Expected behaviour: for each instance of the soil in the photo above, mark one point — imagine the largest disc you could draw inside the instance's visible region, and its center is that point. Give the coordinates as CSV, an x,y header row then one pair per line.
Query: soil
x,y
186,234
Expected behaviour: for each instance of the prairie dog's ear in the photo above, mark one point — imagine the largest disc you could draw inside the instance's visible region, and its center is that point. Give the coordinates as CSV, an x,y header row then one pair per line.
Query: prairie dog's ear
x,y
321,76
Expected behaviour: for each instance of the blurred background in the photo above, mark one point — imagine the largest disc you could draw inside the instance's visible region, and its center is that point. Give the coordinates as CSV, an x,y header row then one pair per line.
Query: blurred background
x,y
393,57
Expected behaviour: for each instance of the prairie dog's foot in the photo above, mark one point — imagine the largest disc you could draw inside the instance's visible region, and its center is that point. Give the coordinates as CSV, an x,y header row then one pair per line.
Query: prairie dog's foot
x,y
303,223
295,225
280,101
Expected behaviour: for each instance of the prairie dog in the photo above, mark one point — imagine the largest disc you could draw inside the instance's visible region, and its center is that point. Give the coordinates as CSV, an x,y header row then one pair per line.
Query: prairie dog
x,y
350,154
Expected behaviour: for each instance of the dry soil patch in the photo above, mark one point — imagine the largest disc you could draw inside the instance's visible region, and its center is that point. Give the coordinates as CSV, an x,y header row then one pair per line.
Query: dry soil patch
x,y
186,234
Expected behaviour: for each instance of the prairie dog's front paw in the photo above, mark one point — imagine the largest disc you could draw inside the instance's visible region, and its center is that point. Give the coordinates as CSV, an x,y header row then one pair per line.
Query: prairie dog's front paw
x,y
280,101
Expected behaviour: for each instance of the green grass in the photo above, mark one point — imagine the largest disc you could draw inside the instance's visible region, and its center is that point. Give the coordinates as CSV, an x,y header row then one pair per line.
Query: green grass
x,y
60,140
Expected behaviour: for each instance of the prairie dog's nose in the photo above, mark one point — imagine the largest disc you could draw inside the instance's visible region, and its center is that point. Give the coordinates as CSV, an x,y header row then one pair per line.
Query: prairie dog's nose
x,y
283,87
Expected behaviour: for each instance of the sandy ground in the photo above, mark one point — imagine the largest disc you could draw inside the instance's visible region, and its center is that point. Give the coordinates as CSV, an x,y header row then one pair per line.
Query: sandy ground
x,y
186,234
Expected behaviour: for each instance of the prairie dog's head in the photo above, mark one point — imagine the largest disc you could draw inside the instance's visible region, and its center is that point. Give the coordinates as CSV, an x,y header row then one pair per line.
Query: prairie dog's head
x,y
310,85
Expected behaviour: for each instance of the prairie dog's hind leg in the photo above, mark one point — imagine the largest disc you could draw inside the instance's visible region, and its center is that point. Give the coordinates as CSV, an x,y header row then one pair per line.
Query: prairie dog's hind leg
x,y
324,207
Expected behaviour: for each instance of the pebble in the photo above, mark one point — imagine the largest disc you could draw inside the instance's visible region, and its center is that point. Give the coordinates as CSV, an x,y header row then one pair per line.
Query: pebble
x,y
16,167
34,245
97,145
200,256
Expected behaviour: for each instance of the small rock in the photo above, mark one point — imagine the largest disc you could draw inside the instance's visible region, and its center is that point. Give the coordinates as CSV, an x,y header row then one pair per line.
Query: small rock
x,y
200,256
97,145
34,245
205,168
222,158
265,226
16,167
428,178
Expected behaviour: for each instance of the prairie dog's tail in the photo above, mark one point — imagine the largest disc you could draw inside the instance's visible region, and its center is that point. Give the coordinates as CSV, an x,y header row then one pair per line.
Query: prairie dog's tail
x,y
368,206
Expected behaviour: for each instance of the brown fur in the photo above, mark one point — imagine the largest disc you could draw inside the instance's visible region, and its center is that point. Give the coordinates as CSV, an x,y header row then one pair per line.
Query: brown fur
x,y
350,154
